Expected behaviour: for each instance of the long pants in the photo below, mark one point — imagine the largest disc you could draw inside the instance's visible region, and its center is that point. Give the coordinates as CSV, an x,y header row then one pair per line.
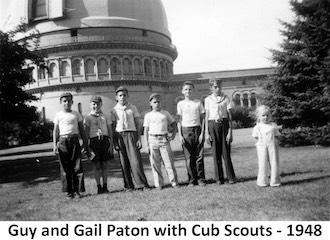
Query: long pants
x,y
268,157
220,148
160,149
194,154
131,160
71,169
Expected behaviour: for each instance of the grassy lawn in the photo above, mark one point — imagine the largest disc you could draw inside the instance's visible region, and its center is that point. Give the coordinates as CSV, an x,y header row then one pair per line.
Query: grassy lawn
x,y
30,190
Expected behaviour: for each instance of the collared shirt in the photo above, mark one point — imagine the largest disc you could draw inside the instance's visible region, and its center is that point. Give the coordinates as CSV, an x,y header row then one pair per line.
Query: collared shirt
x,y
124,117
190,112
217,106
68,122
158,121
98,124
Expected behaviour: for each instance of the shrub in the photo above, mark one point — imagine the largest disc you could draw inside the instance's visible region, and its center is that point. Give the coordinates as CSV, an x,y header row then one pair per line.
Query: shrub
x,y
303,136
14,133
242,117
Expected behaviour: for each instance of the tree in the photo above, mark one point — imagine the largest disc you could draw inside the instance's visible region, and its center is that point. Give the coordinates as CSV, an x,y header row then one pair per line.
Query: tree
x,y
298,93
14,75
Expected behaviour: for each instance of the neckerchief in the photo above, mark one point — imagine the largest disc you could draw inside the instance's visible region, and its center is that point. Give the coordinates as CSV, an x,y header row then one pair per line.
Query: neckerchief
x,y
121,110
218,100
99,129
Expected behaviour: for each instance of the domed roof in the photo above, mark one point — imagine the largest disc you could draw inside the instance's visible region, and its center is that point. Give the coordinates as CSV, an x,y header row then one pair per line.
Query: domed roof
x,y
140,14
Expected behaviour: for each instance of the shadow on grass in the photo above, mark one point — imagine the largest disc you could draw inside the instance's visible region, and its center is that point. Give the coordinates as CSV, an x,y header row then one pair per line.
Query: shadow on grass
x,y
32,171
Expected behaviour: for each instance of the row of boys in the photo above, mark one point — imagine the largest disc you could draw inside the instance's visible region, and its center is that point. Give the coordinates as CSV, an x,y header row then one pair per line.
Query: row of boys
x,y
101,134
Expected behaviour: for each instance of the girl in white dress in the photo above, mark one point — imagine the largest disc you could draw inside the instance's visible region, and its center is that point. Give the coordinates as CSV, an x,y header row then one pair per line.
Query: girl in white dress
x,y
266,132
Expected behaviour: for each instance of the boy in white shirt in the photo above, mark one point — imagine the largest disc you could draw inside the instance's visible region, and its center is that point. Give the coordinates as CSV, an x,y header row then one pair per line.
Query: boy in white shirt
x,y
68,125
191,131
218,132
158,142
127,141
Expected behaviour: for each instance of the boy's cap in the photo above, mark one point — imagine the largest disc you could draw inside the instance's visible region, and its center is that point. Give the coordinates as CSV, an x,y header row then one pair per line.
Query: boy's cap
x,y
152,96
96,99
121,88
66,94
188,83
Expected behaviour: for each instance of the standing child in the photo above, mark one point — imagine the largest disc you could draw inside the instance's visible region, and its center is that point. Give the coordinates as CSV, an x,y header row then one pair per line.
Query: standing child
x,y
158,142
218,132
191,132
68,124
265,132
98,129
128,140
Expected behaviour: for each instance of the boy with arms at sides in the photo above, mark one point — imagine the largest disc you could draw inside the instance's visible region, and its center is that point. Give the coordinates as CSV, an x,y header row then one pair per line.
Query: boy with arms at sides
x,y
68,125
98,129
191,132
127,141
158,142
219,130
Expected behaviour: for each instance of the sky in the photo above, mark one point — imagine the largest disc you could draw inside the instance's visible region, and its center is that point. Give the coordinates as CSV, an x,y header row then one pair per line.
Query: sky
x,y
218,35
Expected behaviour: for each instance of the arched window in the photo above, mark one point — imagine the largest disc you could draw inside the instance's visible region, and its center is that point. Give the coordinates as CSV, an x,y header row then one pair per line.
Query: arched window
x,y
155,67
39,8
137,66
76,67
53,71
162,69
90,66
115,66
126,66
65,68
253,99
103,66
167,70
237,100
245,100
147,67
41,73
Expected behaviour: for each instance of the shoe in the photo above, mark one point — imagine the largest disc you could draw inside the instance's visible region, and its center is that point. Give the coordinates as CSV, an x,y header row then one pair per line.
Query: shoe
x,y
176,186
105,189
99,189
220,182
276,185
70,195
201,183
233,181
159,188
191,185
128,189
77,195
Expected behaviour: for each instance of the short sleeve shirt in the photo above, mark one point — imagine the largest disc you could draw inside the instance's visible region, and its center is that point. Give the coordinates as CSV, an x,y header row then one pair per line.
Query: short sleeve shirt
x,y
217,106
97,122
68,122
124,117
158,121
190,112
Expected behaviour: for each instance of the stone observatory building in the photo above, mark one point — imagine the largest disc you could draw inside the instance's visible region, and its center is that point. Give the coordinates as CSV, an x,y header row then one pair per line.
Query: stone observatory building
x,y
94,46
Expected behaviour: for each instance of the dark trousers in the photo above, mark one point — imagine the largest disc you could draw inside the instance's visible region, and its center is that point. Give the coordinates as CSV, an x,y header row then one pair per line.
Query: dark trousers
x,y
131,160
220,148
71,169
194,154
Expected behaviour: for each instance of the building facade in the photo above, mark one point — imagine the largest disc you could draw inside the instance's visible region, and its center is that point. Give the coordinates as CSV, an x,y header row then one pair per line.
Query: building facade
x,y
94,46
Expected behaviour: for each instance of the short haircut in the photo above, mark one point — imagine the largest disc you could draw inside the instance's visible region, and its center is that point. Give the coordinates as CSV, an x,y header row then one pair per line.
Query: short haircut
x,y
154,95
215,80
188,83
66,95
121,89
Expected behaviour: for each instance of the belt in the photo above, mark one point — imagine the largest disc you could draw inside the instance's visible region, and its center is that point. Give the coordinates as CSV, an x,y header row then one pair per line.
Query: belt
x,y
219,120
100,138
158,135
69,136
194,127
